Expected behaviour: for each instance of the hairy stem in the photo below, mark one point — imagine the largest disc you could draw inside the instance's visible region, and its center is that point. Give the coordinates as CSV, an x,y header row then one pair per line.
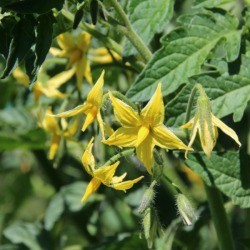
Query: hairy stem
x,y
118,156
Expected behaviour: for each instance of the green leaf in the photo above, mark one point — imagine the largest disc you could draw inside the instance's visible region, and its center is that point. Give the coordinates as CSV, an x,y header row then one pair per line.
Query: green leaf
x,y
184,51
72,195
6,28
23,39
224,170
228,95
33,139
147,18
54,211
24,233
33,6
210,3
44,33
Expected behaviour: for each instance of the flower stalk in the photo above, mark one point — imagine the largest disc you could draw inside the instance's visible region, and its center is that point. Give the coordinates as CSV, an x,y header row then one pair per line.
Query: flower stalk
x,y
118,156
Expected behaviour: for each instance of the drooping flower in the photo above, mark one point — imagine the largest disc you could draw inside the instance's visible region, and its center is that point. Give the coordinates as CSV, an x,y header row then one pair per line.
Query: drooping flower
x,y
91,108
79,54
143,130
103,175
50,125
205,123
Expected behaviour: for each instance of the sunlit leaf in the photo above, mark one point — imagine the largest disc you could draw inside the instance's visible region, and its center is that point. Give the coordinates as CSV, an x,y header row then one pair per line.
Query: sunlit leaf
x,y
147,18
184,51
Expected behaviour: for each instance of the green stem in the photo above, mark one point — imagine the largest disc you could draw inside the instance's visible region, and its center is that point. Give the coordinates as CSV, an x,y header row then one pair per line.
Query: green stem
x,y
120,96
118,156
130,33
88,28
218,213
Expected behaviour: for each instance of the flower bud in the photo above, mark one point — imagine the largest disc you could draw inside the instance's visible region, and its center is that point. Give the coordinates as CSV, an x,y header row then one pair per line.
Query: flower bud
x,y
185,209
147,198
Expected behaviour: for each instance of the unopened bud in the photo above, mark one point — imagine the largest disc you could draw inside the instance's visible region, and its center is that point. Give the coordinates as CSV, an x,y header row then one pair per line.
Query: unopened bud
x,y
147,198
186,210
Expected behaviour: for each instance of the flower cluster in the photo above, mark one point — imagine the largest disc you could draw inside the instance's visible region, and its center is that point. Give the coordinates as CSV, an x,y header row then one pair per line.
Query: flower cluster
x,y
141,129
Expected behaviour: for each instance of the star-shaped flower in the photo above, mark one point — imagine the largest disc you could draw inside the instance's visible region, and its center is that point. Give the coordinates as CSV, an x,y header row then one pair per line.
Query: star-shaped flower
x,y
78,51
143,130
75,49
205,123
91,108
103,175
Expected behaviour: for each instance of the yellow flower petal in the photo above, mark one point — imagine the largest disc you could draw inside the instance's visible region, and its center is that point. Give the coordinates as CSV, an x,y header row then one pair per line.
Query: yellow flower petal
x,y
81,109
93,185
54,145
193,135
52,93
126,184
49,122
105,174
153,113
118,179
72,128
21,77
96,93
66,41
217,122
101,124
207,137
61,78
125,137
142,134
55,51
83,41
109,131
88,159
102,55
91,115
188,124
164,138
82,69
124,114
145,153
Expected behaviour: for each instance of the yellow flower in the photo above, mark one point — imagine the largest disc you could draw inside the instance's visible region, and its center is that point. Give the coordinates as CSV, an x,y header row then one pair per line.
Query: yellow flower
x,y
143,130
78,51
75,49
205,123
50,87
104,175
91,108
43,85
50,125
